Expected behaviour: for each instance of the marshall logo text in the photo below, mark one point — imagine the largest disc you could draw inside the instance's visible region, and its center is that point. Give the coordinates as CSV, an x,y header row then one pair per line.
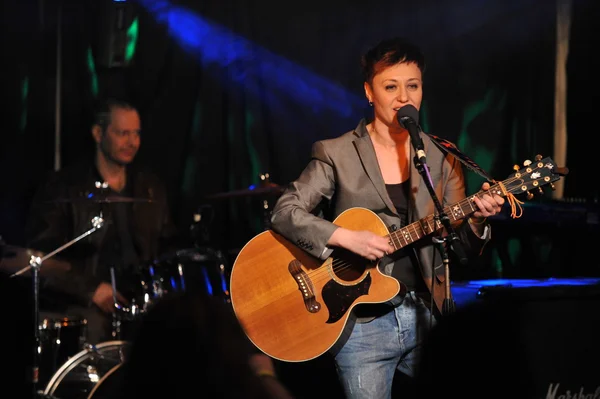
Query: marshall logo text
x,y
554,393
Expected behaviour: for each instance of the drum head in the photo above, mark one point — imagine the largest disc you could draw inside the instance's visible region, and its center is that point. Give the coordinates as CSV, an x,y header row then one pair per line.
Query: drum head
x,y
78,377
108,385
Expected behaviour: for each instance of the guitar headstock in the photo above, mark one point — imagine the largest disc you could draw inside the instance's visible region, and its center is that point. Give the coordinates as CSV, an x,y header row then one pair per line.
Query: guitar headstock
x,y
533,176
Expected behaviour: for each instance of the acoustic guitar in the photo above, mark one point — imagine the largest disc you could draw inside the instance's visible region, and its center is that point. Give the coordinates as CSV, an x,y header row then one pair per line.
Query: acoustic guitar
x,y
295,307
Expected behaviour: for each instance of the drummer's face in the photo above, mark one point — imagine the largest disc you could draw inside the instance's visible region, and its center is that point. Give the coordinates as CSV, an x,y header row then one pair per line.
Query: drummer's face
x,y
121,140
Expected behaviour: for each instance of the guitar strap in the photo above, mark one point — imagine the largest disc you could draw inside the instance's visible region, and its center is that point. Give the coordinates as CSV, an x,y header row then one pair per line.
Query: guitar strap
x,y
448,147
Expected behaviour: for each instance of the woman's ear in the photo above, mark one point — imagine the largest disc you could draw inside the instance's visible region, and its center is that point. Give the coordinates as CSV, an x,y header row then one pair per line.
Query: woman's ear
x,y
368,92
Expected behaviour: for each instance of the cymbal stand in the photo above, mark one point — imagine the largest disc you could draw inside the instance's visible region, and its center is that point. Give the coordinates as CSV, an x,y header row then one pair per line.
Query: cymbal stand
x,y
116,319
35,264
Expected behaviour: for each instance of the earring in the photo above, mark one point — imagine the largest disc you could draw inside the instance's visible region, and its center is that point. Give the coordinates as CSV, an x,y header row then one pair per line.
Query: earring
x,y
370,103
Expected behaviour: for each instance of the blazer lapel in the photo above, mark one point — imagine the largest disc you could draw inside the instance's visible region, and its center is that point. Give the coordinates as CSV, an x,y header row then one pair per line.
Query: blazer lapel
x,y
366,152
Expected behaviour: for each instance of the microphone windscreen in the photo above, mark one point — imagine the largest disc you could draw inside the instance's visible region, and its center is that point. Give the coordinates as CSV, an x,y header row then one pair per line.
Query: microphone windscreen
x,y
408,111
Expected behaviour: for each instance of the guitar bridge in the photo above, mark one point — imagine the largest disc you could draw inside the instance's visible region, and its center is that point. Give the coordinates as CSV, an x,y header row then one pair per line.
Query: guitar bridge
x,y
305,286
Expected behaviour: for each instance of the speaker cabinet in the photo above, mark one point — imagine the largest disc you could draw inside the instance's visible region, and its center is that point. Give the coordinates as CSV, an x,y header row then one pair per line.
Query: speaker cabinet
x,y
532,342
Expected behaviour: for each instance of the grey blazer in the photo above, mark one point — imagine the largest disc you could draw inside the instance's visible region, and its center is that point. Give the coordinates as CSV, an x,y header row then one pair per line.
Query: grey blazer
x,y
343,173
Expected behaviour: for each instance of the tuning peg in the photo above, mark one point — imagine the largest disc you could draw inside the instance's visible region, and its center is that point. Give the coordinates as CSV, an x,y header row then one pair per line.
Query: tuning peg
x,y
552,186
516,167
529,195
527,162
540,190
538,157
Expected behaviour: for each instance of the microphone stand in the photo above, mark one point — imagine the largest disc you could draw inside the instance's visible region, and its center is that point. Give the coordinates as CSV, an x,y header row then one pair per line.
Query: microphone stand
x,y
452,238
448,307
35,264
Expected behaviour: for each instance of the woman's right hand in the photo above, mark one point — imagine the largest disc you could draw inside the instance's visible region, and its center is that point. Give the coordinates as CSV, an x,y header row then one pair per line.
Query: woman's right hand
x,y
364,243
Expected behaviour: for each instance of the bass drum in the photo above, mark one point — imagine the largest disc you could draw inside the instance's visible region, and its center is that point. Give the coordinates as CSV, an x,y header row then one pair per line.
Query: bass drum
x,y
90,374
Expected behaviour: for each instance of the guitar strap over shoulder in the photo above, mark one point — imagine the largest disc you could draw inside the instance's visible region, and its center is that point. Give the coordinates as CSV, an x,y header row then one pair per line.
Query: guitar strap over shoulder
x,y
449,147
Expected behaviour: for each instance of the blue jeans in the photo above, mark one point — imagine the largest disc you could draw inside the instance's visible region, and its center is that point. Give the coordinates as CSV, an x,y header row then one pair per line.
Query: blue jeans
x,y
366,363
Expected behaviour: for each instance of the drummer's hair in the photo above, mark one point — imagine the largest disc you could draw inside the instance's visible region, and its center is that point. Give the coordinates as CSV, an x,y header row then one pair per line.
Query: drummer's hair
x,y
104,108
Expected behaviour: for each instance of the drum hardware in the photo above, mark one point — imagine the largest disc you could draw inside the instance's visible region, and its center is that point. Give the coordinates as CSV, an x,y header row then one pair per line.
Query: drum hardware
x,y
191,269
13,258
62,336
266,190
218,257
35,265
100,195
200,227
116,319
123,313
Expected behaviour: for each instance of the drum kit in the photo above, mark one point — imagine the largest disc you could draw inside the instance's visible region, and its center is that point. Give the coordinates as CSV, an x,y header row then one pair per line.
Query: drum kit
x,y
65,366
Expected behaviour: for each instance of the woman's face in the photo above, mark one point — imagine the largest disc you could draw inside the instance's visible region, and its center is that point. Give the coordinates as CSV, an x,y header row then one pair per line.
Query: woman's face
x,y
394,87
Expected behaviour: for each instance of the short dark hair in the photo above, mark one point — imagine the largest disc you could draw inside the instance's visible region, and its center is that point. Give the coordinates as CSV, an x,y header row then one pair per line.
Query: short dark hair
x,y
104,108
390,52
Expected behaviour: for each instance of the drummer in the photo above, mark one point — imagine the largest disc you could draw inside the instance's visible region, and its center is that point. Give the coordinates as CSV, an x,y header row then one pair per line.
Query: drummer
x,y
137,227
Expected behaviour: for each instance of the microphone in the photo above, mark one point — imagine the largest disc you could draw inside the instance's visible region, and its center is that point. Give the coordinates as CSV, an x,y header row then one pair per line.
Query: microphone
x,y
408,118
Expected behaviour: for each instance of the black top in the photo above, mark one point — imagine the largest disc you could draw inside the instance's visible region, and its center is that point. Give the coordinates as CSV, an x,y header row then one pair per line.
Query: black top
x,y
405,266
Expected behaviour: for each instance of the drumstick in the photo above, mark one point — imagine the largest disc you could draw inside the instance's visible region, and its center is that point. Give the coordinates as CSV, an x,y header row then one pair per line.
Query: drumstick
x,y
114,285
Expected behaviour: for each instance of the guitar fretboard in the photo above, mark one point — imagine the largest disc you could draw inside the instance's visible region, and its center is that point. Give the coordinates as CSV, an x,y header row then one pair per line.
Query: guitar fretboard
x,y
429,224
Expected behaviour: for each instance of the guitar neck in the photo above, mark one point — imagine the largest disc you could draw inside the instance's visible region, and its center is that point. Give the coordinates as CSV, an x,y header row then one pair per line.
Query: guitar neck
x,y
429,224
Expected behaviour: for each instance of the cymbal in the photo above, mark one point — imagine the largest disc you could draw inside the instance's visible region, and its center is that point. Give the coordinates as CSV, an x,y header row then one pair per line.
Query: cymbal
x,y
101,199
191,255
14,259
271,189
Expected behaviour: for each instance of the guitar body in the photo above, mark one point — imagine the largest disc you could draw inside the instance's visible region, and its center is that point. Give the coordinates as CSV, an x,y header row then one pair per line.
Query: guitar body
x,y
295,307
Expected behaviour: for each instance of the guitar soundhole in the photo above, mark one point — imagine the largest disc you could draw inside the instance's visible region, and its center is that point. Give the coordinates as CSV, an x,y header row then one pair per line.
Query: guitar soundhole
x,y
348,266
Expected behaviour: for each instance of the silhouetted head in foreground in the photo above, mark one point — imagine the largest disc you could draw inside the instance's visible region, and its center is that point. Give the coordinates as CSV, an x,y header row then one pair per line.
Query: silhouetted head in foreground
x,y
190,343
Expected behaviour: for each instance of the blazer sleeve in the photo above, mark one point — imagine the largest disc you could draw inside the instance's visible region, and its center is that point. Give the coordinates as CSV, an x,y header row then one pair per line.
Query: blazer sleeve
x,y
294,214
455,192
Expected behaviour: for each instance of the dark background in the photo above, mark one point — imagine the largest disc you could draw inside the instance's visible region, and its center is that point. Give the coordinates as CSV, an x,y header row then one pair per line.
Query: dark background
x,y
229,90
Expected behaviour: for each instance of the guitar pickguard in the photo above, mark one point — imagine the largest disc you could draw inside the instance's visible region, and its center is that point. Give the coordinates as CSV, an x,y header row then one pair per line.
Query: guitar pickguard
x,y
338,298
